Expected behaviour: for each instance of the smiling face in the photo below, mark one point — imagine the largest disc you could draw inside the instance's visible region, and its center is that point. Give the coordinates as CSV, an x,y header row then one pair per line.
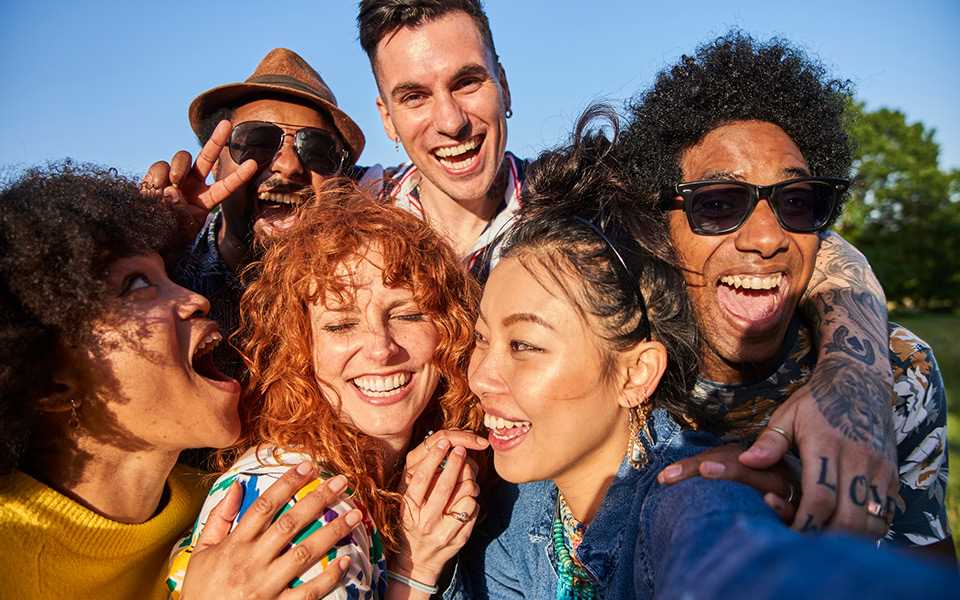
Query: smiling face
x,y
745,285
373,353
150,377
538,369
444,95
276,190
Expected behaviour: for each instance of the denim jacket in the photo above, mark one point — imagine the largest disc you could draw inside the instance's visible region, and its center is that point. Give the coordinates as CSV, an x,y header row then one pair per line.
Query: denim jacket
x,y
697,539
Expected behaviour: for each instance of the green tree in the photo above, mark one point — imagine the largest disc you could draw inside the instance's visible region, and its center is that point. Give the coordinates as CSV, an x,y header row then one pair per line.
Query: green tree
x,y
904,211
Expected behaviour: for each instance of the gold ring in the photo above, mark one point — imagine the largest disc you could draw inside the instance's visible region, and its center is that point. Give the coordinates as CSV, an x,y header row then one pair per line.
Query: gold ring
x,y
459,515
782,432
791,492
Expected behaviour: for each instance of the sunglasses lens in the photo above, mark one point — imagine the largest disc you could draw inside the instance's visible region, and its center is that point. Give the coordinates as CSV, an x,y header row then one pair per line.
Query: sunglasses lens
x,y
719,208
256,140
319,151
805,206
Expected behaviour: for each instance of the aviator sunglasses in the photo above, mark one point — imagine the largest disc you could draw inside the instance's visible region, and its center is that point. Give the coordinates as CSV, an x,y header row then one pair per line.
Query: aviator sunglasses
x,y
716,207
318,150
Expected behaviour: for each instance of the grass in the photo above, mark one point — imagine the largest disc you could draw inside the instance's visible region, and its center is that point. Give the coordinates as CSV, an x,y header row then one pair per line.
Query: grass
x,y
942,332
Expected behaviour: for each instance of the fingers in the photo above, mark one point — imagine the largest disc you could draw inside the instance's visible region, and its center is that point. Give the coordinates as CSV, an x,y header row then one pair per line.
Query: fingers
x,y
464,489
770,447
256,519
223,188
220,519
820,491
466,439
424,473
307,552
862,509
440,495
211,150
180,166
785,510
322,585
306,511
690,467
156,179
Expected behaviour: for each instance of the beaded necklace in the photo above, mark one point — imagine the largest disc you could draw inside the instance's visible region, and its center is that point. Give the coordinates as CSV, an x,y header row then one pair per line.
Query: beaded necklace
x,y
574,580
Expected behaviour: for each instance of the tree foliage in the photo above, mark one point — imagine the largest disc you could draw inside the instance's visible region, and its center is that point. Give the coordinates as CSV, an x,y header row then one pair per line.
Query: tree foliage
x,y
904,211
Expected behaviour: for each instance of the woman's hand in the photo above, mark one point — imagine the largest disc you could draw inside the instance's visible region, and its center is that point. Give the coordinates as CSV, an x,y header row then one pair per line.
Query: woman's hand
x,y
780,490
253,561
439,504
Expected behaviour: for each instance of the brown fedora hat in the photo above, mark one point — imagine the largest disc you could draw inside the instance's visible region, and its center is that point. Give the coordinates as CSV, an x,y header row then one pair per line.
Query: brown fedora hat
x,y
283,72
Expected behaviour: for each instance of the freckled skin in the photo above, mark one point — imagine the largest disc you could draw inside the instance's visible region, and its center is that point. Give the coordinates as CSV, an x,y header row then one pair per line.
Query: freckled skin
x,y
759,153
383,333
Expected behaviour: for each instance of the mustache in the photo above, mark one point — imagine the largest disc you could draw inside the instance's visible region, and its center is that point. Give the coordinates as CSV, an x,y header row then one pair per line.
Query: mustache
x,y
279,186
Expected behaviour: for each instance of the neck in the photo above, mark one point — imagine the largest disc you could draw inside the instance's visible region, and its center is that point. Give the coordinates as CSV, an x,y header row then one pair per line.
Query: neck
x,y
586,483
394,449
233,252
121,485
462,221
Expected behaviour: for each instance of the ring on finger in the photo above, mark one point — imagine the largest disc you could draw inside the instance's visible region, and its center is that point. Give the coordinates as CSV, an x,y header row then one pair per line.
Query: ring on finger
x,y
426,439
459,515
791,493
782,432
876,509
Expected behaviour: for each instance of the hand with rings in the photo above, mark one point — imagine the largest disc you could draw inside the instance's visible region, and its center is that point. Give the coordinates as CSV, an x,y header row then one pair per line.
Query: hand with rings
x,y
439,504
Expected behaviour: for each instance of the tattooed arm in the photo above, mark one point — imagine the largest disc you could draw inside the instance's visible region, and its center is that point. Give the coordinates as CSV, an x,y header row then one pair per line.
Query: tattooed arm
x,y
841,420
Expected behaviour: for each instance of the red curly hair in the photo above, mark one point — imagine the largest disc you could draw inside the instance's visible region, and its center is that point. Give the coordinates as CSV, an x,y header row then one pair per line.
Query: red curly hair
x,y
283,404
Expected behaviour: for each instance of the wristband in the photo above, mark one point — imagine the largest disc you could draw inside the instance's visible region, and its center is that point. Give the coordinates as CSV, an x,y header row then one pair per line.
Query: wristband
x,y
413,583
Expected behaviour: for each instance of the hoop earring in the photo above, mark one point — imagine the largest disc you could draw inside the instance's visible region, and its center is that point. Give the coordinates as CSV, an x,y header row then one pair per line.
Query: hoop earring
x,y
74,420
508,113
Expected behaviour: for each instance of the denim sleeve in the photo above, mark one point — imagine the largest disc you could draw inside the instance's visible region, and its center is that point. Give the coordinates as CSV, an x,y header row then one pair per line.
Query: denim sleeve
x,y
717,539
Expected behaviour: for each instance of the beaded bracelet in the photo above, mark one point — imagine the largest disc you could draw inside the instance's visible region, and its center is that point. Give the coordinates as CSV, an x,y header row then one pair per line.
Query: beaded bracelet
x,y
413,583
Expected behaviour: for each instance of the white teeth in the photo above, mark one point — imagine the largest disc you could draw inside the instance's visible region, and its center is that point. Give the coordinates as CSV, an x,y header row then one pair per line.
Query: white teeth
x,y
753,282
207,344
493,422
458,149
280,198
375,385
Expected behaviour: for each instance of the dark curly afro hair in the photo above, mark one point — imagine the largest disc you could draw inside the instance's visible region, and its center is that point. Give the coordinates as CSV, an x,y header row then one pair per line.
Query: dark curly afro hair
x,y
736,78
60,228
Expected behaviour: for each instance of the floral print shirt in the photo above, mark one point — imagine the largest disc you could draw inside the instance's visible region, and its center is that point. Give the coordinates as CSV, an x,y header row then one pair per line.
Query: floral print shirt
x,y
365,579
740,412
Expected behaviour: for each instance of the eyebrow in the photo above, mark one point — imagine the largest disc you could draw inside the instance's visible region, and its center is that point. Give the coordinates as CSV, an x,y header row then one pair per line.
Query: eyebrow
x,y
527,318
474,69
796,172
721,174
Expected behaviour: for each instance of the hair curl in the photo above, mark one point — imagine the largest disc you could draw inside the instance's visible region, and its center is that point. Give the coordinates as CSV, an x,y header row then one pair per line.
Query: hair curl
x,y
736,78
60,229
283,404
582,183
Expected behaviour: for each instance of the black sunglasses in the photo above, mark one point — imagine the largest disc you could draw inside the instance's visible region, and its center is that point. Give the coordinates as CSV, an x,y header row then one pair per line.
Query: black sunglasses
x,y
716,207
318,150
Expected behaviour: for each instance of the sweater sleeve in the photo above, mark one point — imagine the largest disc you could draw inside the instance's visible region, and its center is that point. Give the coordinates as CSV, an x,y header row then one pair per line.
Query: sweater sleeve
x,y
365,576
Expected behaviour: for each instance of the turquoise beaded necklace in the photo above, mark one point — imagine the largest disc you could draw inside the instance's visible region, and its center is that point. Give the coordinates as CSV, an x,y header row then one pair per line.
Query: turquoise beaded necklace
x,y
574,581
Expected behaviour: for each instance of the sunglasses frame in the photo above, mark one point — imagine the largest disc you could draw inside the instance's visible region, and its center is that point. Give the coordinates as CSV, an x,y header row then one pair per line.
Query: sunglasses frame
x,y
686,190
344,154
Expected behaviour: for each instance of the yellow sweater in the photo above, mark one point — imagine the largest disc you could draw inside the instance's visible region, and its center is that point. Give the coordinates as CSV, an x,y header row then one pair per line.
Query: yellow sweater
x,y
52,547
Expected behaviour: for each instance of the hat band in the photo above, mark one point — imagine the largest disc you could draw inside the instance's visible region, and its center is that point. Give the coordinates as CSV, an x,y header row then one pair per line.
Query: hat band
x,y
287,81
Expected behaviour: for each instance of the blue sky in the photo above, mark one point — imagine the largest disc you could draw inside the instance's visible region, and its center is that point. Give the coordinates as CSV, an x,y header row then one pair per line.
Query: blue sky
x,y
110,81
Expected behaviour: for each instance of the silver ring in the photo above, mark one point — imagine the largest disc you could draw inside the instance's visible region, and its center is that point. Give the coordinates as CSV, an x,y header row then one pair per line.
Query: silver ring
x,y
427,437
459,515
875,509
791,493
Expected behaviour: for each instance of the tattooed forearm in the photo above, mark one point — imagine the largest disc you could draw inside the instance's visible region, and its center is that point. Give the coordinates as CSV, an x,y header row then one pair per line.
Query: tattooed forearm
x,y
853,401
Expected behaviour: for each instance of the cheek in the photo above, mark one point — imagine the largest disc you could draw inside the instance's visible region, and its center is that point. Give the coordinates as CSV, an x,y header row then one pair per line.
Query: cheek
x,y
420,341
330,354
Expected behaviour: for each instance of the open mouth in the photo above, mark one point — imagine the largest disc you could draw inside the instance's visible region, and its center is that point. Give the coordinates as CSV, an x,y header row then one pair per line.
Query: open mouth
x,y
752,298
383,386
461,157
274,205
505,433
202,360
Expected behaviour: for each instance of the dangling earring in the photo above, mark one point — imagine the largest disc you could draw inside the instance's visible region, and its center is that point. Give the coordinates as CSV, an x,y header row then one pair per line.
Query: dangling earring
x,y
74,421
639,415
508,113
396,144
